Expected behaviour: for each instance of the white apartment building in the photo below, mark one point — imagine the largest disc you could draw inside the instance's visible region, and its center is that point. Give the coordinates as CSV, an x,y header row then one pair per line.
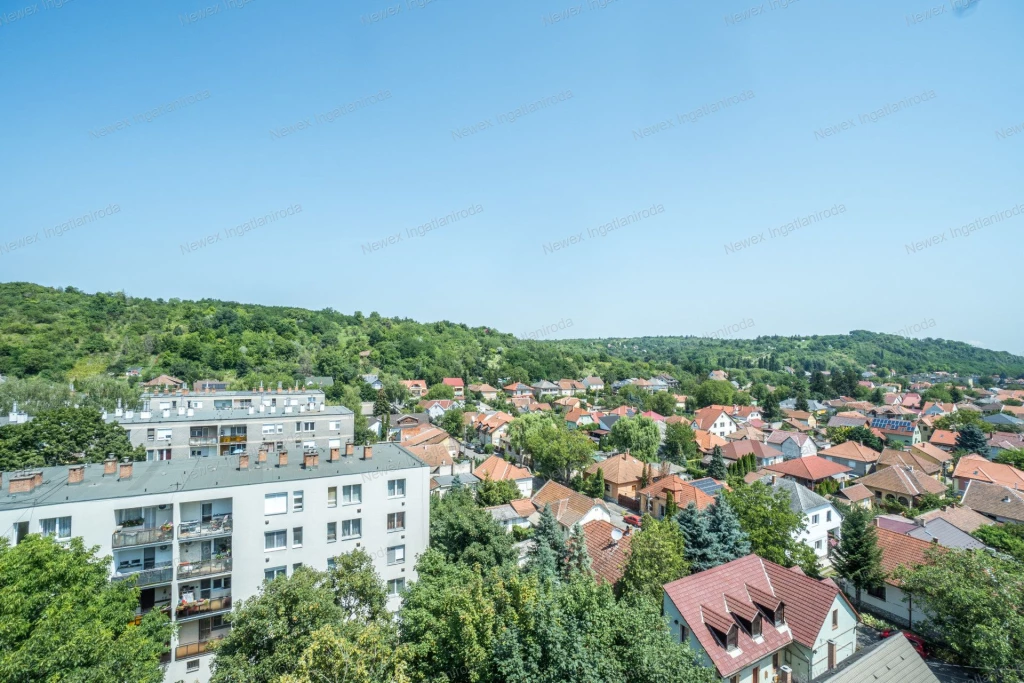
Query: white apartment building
x,y
199,534
200,424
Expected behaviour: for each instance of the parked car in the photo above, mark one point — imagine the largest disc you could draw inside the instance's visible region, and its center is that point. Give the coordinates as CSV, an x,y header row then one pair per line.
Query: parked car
x,y
915,640
632,520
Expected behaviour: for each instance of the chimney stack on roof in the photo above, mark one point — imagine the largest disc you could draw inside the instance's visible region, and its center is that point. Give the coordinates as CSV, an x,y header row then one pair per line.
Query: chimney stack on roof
x,y
76,474
310,460
22,483
125,470
282,459
367,452
243,461
349,448
110,466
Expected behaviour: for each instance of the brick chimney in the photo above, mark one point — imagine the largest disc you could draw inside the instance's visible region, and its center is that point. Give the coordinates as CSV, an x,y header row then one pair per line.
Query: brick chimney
x,y
282,459
310,460
334,455
124,471
367,452
243,461
785,674
76,474
261,457
22,483
349,448
37,478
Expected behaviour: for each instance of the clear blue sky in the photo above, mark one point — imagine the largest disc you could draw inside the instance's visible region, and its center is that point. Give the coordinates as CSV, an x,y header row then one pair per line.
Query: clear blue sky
x,y
566,168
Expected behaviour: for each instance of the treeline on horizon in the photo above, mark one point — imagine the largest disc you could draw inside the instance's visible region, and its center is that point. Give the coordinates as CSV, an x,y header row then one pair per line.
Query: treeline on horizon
x,y
64,335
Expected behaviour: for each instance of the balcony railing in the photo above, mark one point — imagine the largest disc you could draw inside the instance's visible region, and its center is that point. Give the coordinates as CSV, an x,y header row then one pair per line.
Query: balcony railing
x,y
189,570
202,441
162,572
133,536
201,607
236,438
190,650
162,605
219,524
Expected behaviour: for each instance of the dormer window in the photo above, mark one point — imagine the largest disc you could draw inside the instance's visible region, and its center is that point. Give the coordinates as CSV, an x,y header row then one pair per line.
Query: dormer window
x,y
755,627
731,639
780,616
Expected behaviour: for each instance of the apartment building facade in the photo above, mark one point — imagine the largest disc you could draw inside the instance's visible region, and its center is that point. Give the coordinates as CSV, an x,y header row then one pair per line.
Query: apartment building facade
x,y
174,425
199,534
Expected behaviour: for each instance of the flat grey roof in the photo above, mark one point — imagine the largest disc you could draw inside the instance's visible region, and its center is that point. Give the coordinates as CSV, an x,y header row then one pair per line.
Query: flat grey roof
x,y
236,393
213,414
196,474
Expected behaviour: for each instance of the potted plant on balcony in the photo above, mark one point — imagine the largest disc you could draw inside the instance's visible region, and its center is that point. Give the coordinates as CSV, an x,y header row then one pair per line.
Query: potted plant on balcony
x,y
166,526
131,522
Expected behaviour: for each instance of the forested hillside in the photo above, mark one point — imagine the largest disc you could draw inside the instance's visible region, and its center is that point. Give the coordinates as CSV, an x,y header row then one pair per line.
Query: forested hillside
x,y
65,335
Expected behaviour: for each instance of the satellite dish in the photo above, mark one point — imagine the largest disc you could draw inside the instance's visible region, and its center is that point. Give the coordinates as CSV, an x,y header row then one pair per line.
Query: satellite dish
x,y
616,535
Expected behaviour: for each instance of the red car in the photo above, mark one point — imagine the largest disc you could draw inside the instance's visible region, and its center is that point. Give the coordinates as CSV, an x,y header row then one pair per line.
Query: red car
x,y
915,640
632,520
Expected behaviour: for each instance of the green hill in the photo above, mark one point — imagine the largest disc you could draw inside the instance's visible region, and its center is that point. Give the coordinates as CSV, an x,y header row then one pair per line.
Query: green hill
x,y
66,334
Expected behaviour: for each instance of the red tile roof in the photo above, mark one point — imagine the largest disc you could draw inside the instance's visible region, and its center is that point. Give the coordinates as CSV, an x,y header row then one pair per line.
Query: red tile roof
x,y
855,493
900,550
851,450
943,437
974,466
619,469
812,468
498,469
523,506
737,449
683,492
607,557
705,599
453,381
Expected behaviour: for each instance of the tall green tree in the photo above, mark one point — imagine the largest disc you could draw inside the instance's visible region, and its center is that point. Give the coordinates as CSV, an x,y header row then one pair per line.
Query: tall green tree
x,y
770,409
716,468
680,443
670,505
577,557
62,619
772,526
857,558
490,492
972,440
345,654
714,392
453,422
639,435
974,602
55,437
381,405
357,587
463,532
657,556
725,525
548,536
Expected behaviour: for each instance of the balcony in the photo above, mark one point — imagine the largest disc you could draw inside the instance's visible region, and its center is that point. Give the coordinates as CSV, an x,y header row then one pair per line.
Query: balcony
x,y
163,605
202,441
217,526
161,572
127,538
191,570
237,438
189,650
203,608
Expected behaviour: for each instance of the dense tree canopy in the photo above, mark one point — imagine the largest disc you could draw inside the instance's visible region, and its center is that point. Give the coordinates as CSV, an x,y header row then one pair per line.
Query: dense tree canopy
x,y
54,437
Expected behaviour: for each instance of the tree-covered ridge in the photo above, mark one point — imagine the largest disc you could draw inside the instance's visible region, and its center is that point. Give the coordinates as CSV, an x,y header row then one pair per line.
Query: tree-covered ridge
x,y
66,334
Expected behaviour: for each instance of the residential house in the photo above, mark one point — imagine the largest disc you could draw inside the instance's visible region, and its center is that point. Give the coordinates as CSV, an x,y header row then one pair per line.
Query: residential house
x,y
889,601
567,403
653,498
436,408
943,439
457,385
904,431
821,519
890,660
417,387
497,468
518,389
374,381
848,421
492,428
857,457
748,433
672,419
813,406
974,466
749,618
399,423
934,454
544,388
681,401
792,444
442,483
945,534
134,371
571,387
165,381
963,518
855,494
909,459
936,408
802,417
902,484
1003,441
435,455
810,471
622,474
706,441
577,418
718,375
593,383
429,435
715,419
511,516
996,502
319,381
1003,420
570,507
486,391
764,453
609,550
911,400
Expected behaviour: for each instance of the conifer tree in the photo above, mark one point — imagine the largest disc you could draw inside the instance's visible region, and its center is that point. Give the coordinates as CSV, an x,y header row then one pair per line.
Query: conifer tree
x,y
717,469
670,505
724,524
578,559
857,558
597,484
701,544
549,535
770,407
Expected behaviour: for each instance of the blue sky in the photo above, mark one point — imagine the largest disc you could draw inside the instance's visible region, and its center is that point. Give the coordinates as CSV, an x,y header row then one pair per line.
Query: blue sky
x,y
376,170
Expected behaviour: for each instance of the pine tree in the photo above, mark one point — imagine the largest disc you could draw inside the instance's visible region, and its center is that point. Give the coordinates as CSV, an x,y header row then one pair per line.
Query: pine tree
x,y
770,407
972,440
380,404
597,484
857,558
724,524
801,401
578,559
701,545
717,470
645,476
548,534
670,505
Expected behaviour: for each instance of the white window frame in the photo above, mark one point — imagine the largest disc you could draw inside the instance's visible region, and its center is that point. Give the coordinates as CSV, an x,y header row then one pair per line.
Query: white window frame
x,y
298,501
393,518
164,434
332,502
276,571
275,504
275,536
393,486
393,586
354,526
57,523
398,550
352,494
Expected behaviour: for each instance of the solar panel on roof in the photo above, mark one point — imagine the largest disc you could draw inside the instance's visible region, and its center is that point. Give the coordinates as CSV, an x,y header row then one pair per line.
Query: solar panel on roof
x,y
707,485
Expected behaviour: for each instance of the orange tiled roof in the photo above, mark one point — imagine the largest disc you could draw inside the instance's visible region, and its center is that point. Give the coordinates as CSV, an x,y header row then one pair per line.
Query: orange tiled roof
x,y
683,492
498,469
811,468
974,466
607,557
851,450
619,469
900,550
943,437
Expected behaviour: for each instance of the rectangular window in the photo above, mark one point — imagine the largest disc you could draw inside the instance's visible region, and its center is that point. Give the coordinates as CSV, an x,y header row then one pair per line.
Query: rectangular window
x,y
683,634
297,501
275,540
877,593
396,554
297,537
332,496
58,527
396,586
396,521
150,434
817,545
331,563
273,428
192,666
163,435
814,519
396,488
296,566
332,532
275,503
334,426
350,495
835,619
305,426
352,528
828,515
272,573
